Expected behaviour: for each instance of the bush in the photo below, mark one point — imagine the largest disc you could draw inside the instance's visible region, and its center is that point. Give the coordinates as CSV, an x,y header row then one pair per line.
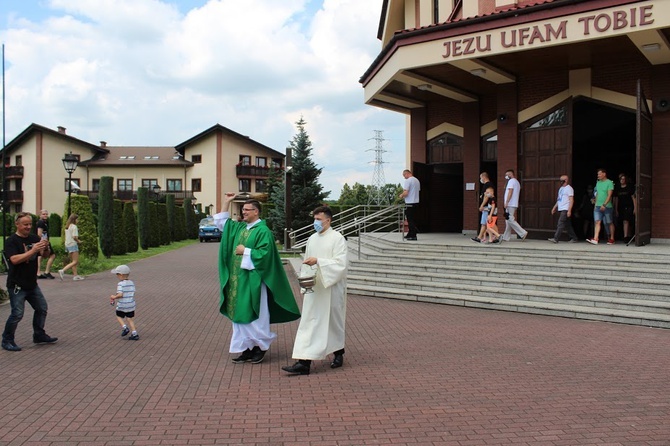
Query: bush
x,y
170,210
180,223
55,223
130,227
106,230
143,217
88,237
119,233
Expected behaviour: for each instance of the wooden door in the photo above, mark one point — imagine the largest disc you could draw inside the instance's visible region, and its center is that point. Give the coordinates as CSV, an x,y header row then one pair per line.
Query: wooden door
x,y
643,170
545,153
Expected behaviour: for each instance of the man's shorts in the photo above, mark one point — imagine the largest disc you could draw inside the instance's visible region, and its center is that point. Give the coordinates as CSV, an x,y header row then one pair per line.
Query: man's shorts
x,y
604,216
74,248
122,314
485,217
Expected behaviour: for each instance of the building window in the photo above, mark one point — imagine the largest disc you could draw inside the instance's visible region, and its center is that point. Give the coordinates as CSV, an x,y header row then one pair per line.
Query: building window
x,y
245,185
74,184
196,185
124,184
196,159
149,183
245,160
555,118
174,185
95,184
19,160
276,162
261,186
261,161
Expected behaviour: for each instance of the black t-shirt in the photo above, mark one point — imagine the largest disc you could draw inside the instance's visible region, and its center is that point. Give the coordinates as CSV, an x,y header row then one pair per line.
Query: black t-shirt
x,y
482,190
24,274
625,196
44,225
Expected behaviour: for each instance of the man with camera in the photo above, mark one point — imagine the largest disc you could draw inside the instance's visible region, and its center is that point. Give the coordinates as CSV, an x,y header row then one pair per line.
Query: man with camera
x,y
21,251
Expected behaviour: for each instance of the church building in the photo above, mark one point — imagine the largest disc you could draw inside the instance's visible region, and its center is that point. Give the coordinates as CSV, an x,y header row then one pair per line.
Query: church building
x,y
542,87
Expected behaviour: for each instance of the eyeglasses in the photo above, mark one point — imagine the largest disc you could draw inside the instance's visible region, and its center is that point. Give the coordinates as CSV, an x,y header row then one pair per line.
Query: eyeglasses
x,y
248,210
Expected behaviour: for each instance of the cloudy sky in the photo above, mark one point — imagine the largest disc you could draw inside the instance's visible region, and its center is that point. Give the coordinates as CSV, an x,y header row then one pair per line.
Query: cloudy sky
x,y
157,72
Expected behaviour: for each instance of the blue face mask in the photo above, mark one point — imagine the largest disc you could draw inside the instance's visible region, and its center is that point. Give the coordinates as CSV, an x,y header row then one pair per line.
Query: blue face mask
x,y
318,226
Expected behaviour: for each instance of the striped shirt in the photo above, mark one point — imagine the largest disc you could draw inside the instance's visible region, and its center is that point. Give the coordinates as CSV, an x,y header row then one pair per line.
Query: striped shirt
x,y
127,302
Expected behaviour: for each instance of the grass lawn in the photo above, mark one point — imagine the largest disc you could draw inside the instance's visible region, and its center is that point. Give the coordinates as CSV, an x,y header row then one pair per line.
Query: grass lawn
x,y
89,266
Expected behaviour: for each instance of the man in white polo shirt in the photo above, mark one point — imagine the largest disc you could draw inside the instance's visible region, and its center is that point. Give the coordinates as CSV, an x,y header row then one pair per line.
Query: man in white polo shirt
x,y
564,203
410,193
511,201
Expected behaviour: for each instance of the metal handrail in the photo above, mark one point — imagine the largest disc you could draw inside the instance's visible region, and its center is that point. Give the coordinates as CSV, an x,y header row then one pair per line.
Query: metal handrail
x,y
357,220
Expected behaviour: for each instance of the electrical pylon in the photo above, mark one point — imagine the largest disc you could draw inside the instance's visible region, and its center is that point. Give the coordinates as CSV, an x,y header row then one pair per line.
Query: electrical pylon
x,y
377,195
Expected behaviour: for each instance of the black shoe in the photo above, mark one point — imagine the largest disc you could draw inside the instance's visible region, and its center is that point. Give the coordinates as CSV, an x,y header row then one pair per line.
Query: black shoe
x,y
44,339
49,276
410,238
298,368
257,355
338,361
125,331
42,276
244,357
134,337
476,239
10,346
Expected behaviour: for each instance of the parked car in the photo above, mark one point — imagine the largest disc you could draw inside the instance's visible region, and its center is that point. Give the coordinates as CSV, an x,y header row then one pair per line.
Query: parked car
x,y
208,230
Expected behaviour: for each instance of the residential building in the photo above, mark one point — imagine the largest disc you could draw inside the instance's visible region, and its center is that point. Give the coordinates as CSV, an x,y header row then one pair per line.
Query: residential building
x,y
201,168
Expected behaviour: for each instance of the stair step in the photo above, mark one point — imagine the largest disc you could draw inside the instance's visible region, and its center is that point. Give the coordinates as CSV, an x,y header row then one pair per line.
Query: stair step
x,y
524,306
615,289
553,295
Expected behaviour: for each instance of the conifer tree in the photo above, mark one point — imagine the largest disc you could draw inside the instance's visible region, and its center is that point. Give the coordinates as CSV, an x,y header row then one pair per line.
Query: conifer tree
x,y
276,217
106,216
306,192
130,227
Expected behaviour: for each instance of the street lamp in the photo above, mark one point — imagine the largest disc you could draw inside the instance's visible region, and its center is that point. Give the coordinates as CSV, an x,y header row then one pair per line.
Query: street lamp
x,y
157,190
70,162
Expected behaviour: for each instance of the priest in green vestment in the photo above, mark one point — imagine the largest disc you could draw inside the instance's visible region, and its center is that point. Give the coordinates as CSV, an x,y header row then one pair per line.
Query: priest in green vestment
x,y
255,291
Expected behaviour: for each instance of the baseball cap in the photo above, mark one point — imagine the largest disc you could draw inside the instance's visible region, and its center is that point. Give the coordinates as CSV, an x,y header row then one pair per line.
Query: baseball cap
x,y
121,269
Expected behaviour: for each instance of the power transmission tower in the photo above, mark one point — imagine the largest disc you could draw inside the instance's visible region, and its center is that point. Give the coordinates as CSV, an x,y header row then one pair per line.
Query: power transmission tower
x,y
377,195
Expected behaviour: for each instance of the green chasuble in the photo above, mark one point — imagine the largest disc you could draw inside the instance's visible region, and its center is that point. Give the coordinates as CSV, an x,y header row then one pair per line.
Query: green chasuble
x,y
241,288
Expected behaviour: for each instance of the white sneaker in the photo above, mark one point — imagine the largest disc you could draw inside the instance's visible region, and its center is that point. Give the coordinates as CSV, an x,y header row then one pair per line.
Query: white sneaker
x,y
61,273
77,278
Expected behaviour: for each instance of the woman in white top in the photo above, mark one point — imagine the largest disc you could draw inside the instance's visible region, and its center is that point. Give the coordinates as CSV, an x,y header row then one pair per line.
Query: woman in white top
x,y
72,247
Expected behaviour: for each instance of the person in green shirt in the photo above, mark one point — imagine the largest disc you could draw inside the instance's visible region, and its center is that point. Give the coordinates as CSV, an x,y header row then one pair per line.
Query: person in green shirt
x,y
254,291
603,210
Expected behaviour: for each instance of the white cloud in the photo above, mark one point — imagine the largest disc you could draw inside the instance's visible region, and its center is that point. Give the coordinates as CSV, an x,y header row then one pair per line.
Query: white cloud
x,y
142,72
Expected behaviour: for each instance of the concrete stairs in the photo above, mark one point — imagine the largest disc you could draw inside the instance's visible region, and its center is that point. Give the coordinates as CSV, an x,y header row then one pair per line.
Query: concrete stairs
x,y
605,283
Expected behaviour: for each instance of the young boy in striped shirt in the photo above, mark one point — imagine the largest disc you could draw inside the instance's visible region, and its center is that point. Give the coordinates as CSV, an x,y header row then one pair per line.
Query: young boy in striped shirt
x,y
125,302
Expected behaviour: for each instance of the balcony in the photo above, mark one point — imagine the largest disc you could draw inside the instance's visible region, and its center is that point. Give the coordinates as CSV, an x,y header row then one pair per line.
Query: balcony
x,y
252,172
14,196
131,195
13,172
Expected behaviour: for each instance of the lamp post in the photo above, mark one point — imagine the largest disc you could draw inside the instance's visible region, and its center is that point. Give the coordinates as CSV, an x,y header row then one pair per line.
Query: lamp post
x,y
157,191
70,162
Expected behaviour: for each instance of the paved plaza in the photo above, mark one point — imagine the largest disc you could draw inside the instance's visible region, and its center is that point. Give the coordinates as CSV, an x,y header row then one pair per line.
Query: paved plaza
x,y
414,373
